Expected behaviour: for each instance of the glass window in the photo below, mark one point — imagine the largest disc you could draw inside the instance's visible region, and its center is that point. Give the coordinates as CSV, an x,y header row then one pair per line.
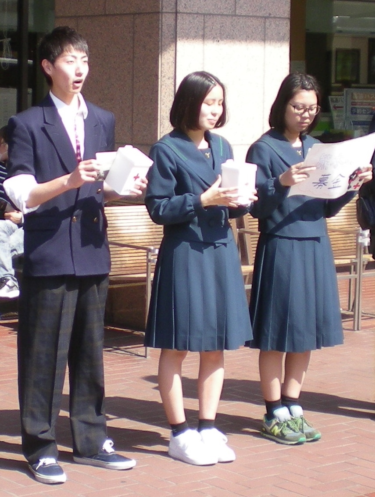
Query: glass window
x,y
40,20
337,46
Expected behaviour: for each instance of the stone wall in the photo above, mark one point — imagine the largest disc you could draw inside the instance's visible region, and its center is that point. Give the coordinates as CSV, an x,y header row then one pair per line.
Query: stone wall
x,y
141,49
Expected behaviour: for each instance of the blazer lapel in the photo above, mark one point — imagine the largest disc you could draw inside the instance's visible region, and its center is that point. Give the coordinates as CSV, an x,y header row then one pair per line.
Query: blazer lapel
x,y
58,135
92,135
92,145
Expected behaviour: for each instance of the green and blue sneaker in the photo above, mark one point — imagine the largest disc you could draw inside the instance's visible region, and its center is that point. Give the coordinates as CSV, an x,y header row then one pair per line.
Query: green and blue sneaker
x,y
282,431
311,434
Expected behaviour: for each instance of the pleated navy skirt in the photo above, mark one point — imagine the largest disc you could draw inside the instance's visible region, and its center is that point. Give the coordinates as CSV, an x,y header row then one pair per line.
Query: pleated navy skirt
x,y
198,302
294,305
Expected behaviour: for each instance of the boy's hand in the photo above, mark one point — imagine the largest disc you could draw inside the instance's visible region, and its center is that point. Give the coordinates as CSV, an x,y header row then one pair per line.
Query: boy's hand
x,y
86,172
139,187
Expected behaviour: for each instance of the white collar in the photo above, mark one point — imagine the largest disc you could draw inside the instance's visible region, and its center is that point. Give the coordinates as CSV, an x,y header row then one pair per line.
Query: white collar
x,y
62,107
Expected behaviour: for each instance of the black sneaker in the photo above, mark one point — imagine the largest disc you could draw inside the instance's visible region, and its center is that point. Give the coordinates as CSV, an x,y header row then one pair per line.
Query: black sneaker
x,y
107,458
47,470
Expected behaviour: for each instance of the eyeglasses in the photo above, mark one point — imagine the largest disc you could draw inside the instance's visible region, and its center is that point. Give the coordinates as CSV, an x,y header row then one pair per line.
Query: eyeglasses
x,y
301,109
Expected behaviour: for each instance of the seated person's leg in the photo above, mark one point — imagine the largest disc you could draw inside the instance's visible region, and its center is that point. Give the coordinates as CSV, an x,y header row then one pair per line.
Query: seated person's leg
x,y
16,242
8,282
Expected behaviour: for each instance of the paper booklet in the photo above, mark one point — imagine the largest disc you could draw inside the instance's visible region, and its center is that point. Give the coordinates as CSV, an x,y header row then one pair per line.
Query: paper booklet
x,y
122,168
240,175
337,167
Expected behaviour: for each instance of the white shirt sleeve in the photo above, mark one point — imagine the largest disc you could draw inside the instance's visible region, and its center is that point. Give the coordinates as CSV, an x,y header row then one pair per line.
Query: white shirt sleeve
x,y
18,189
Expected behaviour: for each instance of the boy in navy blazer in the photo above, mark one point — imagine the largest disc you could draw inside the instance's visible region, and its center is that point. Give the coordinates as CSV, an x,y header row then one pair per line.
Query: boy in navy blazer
x,y
54,180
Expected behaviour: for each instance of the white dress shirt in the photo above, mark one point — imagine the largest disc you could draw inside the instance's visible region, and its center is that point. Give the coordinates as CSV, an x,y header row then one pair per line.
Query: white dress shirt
x,y
18,187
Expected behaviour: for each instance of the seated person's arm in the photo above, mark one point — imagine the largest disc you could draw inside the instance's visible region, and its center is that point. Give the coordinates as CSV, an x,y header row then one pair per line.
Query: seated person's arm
x,y
15,216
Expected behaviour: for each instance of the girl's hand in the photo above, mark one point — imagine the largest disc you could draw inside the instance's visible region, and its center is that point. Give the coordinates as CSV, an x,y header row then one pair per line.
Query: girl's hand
x,y
366,174
295,174
215,195
247,201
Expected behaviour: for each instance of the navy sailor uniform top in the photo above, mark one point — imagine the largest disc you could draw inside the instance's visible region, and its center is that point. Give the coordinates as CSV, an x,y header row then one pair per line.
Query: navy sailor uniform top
x,y
177,179
298,216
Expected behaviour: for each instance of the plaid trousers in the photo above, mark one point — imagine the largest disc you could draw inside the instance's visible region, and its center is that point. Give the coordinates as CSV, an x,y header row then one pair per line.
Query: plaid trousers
x,y
61,323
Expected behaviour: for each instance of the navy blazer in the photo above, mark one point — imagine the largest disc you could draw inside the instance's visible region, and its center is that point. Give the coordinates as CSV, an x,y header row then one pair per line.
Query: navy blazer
x,y
67,234
176,180
297,216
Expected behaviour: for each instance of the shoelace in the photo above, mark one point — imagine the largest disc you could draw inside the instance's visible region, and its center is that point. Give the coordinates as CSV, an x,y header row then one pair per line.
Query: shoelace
x,y
108,446
283,426
304,422
292,424
46,461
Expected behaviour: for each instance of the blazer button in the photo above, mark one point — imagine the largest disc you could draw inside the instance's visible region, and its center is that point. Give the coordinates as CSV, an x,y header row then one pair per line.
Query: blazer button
x,y
74,219
99,190
95,219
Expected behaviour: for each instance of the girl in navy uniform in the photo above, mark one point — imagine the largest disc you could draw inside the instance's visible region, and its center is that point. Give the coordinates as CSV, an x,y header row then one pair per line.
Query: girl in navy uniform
x,y
294,304
198,301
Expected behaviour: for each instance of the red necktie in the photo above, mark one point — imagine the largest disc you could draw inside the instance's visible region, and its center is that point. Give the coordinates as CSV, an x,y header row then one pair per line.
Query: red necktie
x,y
78,145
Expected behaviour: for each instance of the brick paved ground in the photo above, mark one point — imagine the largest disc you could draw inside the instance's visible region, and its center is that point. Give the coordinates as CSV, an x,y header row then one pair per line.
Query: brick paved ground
x,y
338,398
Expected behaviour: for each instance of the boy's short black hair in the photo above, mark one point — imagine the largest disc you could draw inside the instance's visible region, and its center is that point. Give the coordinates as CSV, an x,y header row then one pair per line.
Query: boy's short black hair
x,y
56,42
292,84
188,101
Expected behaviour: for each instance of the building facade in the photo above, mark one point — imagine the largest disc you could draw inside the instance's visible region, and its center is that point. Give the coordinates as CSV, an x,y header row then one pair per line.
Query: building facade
x,y
141,49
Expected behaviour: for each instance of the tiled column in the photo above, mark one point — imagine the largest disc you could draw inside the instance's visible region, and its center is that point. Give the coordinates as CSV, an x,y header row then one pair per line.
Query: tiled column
x,y
141,49
246,44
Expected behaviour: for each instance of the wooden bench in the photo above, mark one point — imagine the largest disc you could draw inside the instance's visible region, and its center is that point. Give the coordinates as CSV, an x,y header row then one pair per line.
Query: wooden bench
x,y
246,235
134,241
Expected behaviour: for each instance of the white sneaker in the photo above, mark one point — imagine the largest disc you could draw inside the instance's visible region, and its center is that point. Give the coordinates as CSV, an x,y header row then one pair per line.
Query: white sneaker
x,y
217,441
9,289
189,447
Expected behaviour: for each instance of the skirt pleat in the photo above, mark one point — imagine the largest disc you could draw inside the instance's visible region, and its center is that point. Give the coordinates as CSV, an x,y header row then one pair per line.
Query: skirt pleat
x,y
198,301
294,303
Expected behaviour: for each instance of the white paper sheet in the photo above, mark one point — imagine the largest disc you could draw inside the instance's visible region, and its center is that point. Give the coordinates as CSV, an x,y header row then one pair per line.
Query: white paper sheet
x,y
335,164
